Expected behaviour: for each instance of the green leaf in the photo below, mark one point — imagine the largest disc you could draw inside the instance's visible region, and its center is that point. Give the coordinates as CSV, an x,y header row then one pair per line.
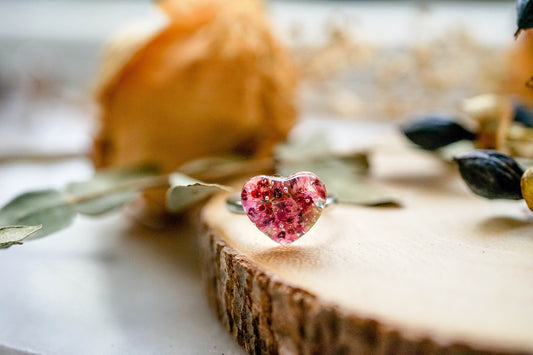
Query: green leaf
x,y
315,146
225,167
48,208
55,210
13,235
186,192
104,204
343,180
316,151
200,165
343,174
110,189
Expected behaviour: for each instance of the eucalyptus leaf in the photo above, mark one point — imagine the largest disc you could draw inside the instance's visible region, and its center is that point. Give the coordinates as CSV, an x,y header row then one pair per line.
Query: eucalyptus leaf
x,y
106,204
185,192
524,12
48,208
55,210
316,145
224,167
13,235
342,173
200,165
342,180
316,150
109,189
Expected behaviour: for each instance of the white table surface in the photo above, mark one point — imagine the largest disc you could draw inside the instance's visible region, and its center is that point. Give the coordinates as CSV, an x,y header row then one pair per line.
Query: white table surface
x,y
108,285
102,286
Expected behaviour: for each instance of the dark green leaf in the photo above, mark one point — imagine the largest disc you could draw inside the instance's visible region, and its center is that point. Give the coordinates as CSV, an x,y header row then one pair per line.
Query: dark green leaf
x,y
185,192
48,208
15,235
524,15
110,189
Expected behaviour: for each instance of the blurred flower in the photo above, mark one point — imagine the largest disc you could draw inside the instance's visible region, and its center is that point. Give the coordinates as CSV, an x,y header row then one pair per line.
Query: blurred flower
x,y
212,80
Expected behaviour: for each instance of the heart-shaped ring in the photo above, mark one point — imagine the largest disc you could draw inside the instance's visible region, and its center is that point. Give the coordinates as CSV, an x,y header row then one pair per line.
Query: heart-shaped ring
x,y
284,208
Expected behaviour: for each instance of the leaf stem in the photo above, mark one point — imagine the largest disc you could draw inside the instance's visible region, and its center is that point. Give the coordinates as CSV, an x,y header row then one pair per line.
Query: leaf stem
x,y
140,185
40,158
231,169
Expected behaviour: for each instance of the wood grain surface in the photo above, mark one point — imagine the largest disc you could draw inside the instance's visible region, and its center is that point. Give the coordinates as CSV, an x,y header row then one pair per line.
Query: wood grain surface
x,y
447,273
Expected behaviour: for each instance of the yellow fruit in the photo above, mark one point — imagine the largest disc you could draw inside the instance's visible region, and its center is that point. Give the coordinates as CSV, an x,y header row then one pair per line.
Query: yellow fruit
x,y
526,183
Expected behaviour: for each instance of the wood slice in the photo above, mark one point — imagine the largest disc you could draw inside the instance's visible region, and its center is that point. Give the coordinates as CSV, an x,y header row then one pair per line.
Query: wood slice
x,y
447,273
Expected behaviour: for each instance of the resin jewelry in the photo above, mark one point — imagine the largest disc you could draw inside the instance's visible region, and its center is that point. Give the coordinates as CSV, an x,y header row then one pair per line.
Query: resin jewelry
x,y
282,208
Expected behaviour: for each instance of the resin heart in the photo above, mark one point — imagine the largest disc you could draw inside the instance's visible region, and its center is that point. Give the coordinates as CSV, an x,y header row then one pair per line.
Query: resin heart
x,y
284,208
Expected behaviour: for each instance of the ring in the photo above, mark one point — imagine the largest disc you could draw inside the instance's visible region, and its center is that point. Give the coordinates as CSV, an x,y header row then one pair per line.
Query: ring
x,y
284,209
234,203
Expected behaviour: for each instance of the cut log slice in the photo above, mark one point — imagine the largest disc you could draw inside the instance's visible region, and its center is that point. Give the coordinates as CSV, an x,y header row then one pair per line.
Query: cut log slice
x,y
448,272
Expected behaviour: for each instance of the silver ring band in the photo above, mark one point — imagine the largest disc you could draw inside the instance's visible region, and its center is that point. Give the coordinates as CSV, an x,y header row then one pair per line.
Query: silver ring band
x,y
234,203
